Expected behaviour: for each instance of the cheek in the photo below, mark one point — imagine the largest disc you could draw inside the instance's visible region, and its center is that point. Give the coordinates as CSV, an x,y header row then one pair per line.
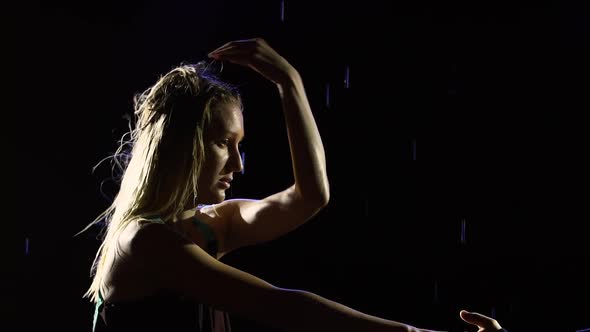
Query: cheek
x,y
216,160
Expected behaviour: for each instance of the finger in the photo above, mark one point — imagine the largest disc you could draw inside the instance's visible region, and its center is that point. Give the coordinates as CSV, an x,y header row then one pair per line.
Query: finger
x,y
474,318
243,43
478,319
220,50
231,54
226,45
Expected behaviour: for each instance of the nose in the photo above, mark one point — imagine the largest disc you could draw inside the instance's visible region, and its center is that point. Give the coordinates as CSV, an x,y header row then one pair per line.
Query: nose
x,y
235,162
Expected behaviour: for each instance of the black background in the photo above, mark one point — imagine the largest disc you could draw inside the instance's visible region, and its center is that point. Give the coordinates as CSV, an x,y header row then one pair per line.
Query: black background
x,y
453,113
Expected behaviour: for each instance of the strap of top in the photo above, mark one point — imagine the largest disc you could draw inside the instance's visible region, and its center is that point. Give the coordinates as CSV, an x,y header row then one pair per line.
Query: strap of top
x,y
209,235
97,309
205,229
155,219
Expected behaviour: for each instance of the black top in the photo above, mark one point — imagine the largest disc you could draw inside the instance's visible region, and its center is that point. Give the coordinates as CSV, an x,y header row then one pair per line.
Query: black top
x,y
165,311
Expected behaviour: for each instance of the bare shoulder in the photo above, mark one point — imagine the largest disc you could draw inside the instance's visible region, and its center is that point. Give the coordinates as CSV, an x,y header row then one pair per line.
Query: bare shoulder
x,y
132,263
164,253
150,239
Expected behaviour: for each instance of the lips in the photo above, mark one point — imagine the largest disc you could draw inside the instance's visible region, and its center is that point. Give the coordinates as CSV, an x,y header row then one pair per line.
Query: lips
x,y
226,179
225,182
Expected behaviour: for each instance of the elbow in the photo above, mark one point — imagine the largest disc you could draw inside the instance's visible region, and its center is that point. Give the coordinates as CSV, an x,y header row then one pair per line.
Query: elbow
x,y
324,198
322,194
313,204
319,202
321,198
315,199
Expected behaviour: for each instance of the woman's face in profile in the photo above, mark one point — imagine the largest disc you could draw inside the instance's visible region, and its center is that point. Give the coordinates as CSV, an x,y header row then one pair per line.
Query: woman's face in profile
x,y
222,154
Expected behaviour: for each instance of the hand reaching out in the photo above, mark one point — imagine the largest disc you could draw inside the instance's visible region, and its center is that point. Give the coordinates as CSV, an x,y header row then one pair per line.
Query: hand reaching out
x,y
485,323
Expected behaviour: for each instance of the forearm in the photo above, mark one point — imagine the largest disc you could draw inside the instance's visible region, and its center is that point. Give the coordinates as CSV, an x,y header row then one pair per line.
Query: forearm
x,y
298,310
307,150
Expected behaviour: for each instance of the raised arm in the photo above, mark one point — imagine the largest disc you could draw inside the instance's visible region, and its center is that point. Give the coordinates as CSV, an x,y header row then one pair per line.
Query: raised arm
x,y
177,263
255,221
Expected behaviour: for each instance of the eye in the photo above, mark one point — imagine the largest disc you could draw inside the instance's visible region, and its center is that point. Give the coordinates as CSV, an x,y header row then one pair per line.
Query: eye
x,y
223,142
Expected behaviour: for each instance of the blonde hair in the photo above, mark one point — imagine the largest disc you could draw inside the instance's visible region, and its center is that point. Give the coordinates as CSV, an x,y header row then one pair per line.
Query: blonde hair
x,y
159,174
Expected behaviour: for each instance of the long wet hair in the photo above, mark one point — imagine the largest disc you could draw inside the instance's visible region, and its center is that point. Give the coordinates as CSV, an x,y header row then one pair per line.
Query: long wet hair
x,y
163,156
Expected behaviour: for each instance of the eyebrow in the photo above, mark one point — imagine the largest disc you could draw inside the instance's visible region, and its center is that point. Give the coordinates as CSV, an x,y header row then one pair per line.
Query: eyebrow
x,y
234,134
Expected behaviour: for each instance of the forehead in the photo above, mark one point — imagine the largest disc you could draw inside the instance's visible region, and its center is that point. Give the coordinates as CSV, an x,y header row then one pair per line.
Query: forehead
x,y
228,118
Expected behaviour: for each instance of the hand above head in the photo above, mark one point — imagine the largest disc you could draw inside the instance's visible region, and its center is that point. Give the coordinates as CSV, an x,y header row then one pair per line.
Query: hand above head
x,y
485,323
256,54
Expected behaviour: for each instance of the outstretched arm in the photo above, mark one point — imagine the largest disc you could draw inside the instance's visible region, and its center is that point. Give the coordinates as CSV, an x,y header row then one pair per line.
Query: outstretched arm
x,y
256,221
176,263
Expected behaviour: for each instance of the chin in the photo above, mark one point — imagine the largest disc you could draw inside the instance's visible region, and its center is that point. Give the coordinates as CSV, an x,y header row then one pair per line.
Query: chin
x,y
217,197
221,197
212,196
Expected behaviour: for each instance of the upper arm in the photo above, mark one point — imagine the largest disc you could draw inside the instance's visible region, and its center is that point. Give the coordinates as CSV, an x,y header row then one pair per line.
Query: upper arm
x,y
251,221
177,263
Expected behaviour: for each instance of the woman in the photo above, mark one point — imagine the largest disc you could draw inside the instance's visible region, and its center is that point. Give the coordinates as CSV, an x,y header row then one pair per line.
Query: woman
x,y
158,267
